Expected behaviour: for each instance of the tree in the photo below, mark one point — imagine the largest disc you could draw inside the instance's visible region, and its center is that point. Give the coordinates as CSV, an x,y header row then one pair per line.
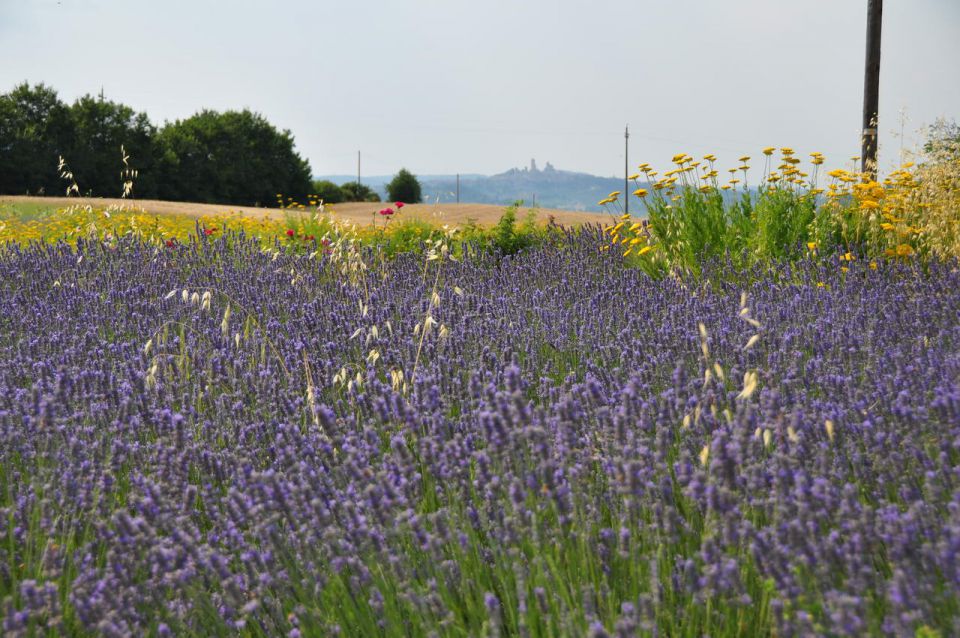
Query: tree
x,y
35,130
235,157
404,187
943,140
99,129
329,192
356,192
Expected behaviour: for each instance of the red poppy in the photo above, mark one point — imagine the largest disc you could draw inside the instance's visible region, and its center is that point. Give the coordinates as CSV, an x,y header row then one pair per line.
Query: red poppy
x,y
325,242
310,238
208,231
169,243
386,211
290,233
399,204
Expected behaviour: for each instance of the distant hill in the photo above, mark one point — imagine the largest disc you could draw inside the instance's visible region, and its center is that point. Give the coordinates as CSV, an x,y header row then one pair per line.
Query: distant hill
x,y
547,187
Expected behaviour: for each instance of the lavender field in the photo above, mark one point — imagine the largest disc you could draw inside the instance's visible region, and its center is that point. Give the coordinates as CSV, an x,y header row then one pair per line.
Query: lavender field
x,y
218,441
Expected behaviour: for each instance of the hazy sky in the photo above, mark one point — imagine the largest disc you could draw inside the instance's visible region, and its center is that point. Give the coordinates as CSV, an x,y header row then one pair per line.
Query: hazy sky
x,y
444,86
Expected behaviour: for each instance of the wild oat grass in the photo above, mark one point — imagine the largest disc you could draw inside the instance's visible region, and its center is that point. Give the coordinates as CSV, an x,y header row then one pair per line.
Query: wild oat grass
x,y
934,205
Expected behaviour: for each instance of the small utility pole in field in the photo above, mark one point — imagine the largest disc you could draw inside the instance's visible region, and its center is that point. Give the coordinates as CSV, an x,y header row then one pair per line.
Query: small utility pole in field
x,y
871,88
626,170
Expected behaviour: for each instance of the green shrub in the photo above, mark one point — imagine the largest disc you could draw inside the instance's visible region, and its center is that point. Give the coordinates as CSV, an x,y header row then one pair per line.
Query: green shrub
x,y
508,237
692,217
356,192
329,192
404,187
408,234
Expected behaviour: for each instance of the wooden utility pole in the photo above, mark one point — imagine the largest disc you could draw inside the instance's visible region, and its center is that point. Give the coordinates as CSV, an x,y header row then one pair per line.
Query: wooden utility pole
x,y
871,89
626,170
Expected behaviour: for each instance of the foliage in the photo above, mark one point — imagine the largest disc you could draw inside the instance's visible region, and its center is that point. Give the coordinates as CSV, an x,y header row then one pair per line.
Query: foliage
x,y
357,192
231,158
409,234
404,187
943,140
509,238
235,157
99,129
692,218
35,130
328,192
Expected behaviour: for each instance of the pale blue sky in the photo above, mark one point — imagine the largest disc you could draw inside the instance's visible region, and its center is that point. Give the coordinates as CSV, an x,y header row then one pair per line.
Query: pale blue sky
x,y
444,86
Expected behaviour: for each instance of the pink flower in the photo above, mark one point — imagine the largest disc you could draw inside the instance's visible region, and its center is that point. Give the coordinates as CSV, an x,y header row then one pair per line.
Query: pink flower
x,y
399,204
290,232
386,211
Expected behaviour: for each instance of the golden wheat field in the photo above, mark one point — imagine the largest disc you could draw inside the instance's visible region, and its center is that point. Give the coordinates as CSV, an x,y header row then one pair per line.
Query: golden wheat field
x,y
360,213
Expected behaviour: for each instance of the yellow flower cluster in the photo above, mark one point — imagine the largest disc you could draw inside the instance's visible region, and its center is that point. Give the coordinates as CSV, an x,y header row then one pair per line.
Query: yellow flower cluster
x,y
912,210
75,222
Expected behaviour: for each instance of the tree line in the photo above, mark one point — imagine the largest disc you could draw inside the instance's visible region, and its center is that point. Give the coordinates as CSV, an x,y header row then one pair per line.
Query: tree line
x,y
404,187
231,157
